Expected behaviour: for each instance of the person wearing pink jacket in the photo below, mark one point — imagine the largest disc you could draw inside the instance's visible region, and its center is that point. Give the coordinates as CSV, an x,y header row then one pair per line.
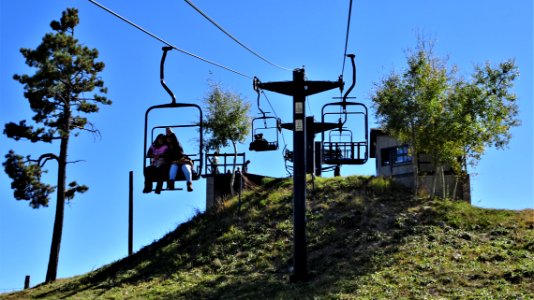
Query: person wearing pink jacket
x,y
159,167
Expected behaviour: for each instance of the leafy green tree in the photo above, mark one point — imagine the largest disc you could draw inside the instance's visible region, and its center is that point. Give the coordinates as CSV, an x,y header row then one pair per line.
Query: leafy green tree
x,y
483,110
451,119
406,104
226,121
57,93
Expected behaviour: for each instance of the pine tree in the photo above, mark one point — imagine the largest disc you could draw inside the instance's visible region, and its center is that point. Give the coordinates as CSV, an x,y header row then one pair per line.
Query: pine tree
x,y
57,93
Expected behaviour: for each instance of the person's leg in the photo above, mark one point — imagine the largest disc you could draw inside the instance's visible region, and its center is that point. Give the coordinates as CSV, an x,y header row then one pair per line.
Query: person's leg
x,y
186,169
172,171
162,174
172,176
149,175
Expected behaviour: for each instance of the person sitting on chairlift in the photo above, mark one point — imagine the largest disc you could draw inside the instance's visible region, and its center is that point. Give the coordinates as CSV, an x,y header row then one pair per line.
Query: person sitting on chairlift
x,y
178,159
158,164
259,142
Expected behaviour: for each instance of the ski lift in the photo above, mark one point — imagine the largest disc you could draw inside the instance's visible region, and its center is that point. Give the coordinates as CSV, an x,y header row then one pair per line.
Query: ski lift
x,y
259,142
196,157
288,160
345,151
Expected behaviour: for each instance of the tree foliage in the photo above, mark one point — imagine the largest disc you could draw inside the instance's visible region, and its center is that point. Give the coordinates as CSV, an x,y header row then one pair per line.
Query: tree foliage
x,y
26,182
226,121
65,72
449,118
484,110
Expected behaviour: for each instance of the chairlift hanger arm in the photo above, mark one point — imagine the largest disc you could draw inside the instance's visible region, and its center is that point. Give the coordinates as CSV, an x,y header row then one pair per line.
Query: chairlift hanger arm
x,y
256,87
351,56
162,72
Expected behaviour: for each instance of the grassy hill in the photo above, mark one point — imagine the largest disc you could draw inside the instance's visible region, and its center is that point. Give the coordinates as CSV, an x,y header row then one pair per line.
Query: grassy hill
x,y
367,239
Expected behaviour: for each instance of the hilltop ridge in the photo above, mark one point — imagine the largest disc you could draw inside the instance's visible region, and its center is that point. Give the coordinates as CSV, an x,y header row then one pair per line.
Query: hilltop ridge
x,y
367,238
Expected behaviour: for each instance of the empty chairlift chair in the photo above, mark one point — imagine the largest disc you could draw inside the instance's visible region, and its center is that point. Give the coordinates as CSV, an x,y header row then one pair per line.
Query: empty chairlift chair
x,y
351,145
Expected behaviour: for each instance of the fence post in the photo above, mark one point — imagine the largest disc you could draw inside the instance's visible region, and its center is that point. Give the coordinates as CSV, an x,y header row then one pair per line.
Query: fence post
x,y
240,174
130,216
27,282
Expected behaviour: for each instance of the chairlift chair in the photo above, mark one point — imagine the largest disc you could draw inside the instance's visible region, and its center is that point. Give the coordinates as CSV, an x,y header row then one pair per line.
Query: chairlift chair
x,y
288,160
259,143
347,152
197,157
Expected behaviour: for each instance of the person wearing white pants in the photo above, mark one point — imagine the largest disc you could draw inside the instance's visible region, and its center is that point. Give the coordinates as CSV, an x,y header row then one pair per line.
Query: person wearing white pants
x,y
178,161
186,169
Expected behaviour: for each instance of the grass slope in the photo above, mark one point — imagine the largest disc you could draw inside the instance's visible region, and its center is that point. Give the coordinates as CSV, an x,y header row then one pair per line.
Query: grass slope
x,y
367,239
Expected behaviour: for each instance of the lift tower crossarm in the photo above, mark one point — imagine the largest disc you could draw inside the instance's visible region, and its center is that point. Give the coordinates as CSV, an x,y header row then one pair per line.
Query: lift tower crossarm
x,y
306,88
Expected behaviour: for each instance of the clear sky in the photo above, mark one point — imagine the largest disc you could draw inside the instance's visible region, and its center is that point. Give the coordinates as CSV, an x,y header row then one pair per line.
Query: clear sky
x,y
292,34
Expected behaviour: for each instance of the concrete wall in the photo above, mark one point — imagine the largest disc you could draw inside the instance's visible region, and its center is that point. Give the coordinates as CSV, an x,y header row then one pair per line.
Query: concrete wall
x,y
426,184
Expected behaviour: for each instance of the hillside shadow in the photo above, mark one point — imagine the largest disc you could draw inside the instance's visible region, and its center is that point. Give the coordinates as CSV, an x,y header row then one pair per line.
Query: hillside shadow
x,y
354,228
172,253
352,233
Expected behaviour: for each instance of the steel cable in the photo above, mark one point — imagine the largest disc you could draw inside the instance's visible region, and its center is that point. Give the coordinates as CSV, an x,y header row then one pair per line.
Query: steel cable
x,y
232,37
165,42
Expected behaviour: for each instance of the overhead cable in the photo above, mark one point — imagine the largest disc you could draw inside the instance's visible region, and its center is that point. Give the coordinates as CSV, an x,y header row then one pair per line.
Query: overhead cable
x,y
165,42
234,38
347,38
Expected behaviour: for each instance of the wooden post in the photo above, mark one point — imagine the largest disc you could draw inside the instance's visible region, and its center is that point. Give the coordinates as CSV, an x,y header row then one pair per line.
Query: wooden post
x,y
27,282
130,216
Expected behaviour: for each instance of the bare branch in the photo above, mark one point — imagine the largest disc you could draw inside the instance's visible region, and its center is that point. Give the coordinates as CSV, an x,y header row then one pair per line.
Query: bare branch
x,y
92,129
95,131
86,99
43,159
76,161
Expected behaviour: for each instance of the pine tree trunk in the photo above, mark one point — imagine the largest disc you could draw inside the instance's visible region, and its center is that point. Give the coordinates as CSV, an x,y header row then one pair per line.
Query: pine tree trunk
x,y
51,273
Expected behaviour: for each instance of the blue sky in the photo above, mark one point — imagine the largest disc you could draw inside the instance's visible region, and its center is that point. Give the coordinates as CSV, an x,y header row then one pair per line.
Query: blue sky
x,y
292,34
